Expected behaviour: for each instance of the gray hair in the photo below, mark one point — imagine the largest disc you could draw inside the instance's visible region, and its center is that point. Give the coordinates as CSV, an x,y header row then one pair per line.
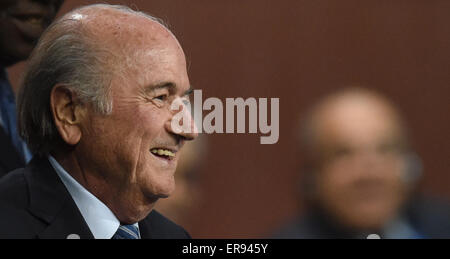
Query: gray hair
x,y
68,56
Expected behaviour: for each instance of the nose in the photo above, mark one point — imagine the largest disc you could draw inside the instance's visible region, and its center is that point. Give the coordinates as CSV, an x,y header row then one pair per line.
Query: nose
x,y
182,123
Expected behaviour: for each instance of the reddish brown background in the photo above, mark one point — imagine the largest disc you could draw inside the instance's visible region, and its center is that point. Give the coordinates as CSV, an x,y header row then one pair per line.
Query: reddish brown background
x,y
298,50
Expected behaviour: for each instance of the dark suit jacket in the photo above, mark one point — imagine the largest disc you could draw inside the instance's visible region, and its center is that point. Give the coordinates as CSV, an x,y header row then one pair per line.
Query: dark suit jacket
x,y
34,203
9,157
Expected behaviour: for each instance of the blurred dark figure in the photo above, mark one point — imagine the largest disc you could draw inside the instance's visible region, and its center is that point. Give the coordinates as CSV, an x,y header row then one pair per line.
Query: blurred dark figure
x,y
360,174
21,24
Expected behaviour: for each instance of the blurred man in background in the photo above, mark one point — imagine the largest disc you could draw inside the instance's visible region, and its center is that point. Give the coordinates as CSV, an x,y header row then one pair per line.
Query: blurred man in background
x,y
21,24
360,173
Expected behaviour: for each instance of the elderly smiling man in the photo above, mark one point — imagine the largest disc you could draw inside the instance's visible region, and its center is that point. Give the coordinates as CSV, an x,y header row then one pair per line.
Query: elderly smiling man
x,y
94,109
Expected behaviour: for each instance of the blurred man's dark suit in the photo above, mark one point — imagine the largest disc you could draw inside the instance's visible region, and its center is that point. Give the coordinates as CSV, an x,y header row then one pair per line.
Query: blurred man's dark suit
x,y
9,157
34,203
430,218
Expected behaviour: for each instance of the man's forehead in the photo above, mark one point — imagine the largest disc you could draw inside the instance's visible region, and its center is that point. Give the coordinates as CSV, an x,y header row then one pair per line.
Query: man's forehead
x,y
140,46
356,118
108,23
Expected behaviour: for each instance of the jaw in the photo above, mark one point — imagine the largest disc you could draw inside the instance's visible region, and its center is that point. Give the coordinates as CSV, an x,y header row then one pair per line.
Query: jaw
x,y
131,213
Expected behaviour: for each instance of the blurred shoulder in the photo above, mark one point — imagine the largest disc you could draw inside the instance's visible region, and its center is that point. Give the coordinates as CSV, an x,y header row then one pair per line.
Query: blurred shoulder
x,y
300,227
430,215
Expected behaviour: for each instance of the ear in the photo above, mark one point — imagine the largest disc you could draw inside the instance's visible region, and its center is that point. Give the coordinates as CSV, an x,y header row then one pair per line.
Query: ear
x,y
68,114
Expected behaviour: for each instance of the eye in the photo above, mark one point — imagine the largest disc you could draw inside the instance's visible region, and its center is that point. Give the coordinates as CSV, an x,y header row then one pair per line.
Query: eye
x,y
162,97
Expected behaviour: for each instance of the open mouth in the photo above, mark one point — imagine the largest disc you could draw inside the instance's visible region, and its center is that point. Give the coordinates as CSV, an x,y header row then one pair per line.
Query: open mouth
x,y
163,153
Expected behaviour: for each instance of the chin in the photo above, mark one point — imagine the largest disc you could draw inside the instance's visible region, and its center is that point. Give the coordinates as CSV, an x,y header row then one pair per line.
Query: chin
x,y
162,188
167,190
369,218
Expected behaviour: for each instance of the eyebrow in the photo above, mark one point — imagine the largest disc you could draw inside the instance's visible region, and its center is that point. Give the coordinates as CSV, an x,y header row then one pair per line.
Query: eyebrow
x,y
189,91
169,86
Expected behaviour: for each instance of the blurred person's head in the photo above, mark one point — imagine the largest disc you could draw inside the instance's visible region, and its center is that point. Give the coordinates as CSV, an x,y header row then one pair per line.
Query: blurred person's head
x,y
186,195
357,159
21,24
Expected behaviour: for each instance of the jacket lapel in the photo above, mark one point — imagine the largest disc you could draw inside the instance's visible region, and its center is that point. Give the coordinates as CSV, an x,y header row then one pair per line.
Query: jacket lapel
x,y
51,202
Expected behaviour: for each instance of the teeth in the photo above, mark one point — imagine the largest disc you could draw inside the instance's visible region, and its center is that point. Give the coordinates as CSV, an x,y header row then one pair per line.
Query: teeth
x,y
162,152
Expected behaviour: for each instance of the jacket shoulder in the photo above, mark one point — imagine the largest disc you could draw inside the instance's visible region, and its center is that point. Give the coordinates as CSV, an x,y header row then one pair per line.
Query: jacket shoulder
x,y
13,190
15,219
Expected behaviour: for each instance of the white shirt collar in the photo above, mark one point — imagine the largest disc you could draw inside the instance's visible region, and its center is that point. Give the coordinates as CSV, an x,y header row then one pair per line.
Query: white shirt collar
x,y
100,219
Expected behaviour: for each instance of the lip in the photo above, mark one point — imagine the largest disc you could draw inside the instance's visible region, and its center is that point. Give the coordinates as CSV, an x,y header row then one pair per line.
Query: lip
x,y
166,159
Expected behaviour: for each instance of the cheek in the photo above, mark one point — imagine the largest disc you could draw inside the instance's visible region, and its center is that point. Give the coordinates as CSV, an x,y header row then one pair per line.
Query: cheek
x,y
336,177
150,122
394,171
338,186
141,125
12,39
154,182
154,176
